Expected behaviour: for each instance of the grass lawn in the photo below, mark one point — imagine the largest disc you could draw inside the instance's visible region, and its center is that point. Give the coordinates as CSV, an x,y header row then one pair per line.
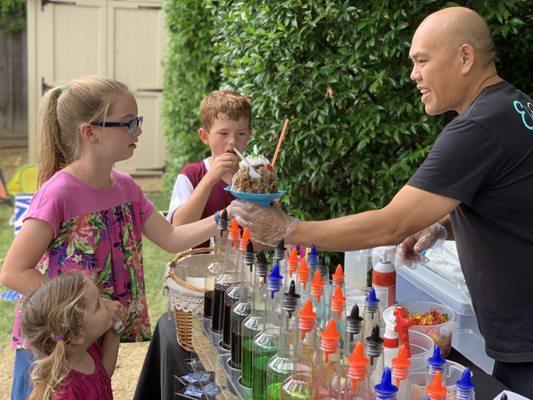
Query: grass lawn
x,y
155,260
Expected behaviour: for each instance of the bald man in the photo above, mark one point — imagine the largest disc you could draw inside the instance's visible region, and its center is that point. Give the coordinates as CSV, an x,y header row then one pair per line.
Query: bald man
x,y
478,174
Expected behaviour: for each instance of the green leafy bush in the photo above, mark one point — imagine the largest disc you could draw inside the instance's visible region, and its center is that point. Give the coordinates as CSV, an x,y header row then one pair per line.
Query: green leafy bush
x,y
190,74
12,16
340,71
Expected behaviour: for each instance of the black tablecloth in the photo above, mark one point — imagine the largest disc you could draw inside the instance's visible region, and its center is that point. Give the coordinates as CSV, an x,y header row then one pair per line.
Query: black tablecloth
x,y
166,359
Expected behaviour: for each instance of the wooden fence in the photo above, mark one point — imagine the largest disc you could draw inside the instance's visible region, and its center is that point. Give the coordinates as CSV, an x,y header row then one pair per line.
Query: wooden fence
x,y
13,86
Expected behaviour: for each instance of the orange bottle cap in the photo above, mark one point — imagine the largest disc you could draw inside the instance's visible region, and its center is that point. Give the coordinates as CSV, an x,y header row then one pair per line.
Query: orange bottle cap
x,y
294,262
338,301
307,318
329,339
303,272
330,332
338,276
244,239
436,390
317,285
357,359
402,358
234,231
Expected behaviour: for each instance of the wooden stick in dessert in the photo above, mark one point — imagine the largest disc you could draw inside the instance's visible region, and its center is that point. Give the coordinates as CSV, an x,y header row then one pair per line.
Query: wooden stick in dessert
x,y
280,142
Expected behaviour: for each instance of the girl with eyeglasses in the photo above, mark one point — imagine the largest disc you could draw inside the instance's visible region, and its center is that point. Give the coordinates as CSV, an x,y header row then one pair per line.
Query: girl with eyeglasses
x,y
87,215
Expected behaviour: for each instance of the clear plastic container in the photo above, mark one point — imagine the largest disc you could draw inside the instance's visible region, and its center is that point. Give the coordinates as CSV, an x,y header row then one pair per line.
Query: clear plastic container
x,y
424,285
421,348
452,373
441,334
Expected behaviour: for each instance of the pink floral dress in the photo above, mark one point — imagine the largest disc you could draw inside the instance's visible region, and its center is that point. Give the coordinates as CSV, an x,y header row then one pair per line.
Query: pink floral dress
x,y
99,232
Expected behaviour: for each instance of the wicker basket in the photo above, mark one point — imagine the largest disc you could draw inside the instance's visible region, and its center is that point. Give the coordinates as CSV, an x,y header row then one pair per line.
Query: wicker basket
x,y
184,282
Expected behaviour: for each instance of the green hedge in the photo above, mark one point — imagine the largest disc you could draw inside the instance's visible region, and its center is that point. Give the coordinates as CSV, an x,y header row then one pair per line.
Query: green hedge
x,y
190,74
12,16
340,72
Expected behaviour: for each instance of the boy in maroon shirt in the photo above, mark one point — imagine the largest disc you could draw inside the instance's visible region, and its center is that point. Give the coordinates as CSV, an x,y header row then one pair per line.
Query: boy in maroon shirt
x,y
225,124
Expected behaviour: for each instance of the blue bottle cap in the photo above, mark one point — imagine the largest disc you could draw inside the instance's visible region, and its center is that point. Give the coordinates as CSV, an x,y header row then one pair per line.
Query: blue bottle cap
x,y
313,256
385,388
274,280
436,360
371,299
465,382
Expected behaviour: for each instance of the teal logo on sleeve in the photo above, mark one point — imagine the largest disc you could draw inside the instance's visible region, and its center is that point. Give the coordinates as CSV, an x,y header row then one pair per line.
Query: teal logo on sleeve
x,y
526,112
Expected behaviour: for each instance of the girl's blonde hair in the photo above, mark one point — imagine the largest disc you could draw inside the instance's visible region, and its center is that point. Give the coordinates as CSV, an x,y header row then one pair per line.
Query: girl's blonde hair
x,y
52,314
63,110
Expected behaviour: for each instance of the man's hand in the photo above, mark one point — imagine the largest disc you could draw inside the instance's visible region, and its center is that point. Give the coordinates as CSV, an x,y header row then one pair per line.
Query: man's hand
x,y
409,250
268,225
224,165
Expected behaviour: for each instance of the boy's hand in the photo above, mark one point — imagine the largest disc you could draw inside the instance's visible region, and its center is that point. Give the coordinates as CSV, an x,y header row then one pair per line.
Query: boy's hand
x,y
224,165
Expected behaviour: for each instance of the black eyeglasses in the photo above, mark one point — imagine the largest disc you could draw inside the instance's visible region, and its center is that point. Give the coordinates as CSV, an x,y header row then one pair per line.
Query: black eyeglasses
x,y
132,125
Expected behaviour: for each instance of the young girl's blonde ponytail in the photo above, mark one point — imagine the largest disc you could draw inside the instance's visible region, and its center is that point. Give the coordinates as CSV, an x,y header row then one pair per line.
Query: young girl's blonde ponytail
x,y
49,372
52,158
52,314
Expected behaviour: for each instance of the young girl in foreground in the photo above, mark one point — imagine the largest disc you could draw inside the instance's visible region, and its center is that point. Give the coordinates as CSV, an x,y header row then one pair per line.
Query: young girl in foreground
x,y
86,214
62,320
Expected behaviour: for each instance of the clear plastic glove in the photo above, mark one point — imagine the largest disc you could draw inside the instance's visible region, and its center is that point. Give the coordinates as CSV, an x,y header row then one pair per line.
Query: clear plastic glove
x,y
409,250
268,225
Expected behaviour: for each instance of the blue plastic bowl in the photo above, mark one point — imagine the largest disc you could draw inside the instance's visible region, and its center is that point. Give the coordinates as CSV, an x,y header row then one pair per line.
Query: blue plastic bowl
x,y
261,199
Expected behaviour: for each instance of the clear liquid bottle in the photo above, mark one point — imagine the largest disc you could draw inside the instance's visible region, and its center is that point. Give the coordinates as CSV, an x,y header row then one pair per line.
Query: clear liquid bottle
x,y
357,383
312,259
374,352
464,387
303,286
299,386
265,343
216,267
319,299
226,278
233,293
280,366
354,330
337,279
436,390
385,390
372,316
328,383
243,307
293,263
281,259
254,322
435,364
400,373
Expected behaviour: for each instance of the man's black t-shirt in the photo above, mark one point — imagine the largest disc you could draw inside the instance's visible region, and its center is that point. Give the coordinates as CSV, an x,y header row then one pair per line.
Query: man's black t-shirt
x,y
484,158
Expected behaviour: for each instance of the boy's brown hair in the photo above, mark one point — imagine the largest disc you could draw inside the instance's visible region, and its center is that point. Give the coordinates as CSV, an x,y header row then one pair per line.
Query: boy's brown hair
x,y
227,103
